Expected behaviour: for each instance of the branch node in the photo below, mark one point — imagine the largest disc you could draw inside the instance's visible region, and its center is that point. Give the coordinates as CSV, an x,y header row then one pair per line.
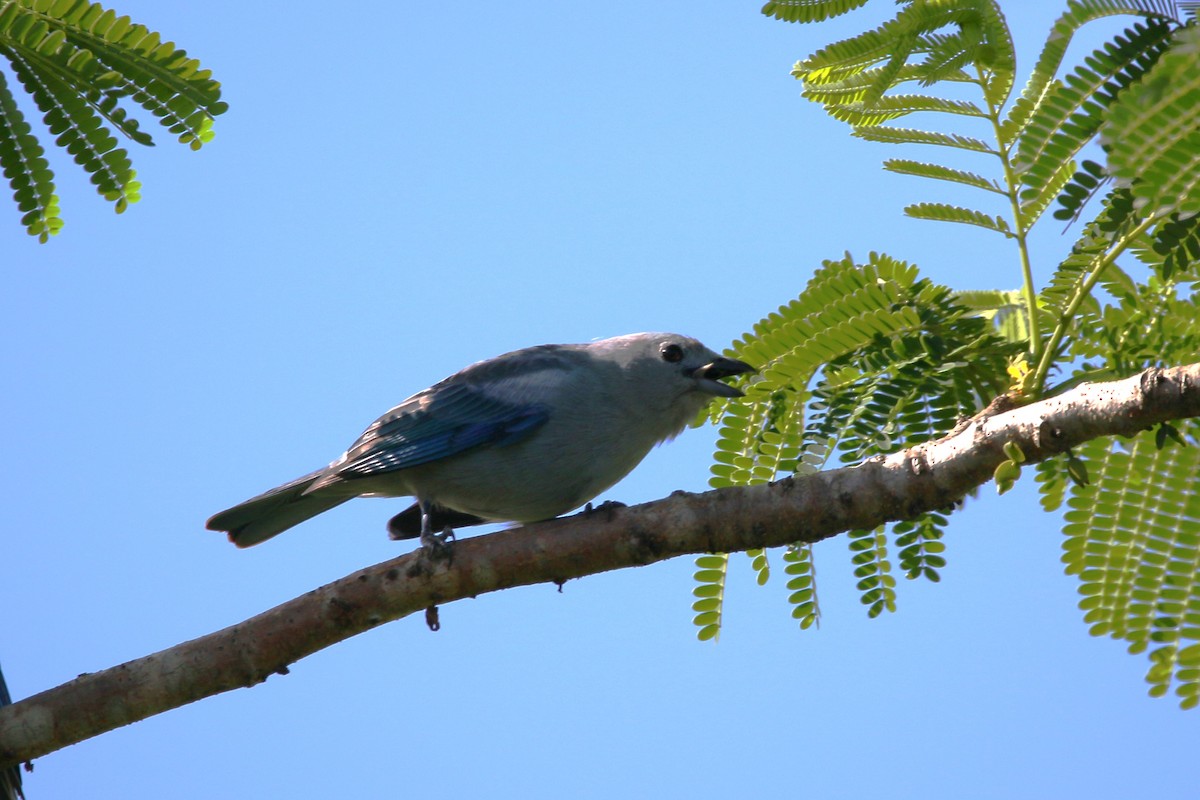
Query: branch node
x,y
917,461
1149,379
1048,437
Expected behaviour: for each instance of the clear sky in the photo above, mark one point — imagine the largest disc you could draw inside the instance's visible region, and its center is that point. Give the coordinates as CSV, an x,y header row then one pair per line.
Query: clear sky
x,y
401,189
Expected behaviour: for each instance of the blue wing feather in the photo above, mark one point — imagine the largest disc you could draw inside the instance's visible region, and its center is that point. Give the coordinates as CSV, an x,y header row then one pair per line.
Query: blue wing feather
x,y
440,422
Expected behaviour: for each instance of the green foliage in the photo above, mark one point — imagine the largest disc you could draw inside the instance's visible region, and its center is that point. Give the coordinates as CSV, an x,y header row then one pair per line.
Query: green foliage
x,y
1145,325
864,81
921,547
876,584
810,10
1008,471
1004,308
710,594
83,65
1154,130
1133,538
926,43
938,172
1070,112
1175,246
943,212
870,358
1081,188
1069,295
27,171
802,583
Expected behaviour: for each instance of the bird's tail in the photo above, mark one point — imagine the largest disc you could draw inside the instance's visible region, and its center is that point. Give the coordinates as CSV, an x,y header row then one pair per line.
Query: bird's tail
x,y
273,512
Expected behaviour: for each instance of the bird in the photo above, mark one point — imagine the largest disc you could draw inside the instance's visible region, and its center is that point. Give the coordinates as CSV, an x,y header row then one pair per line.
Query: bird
x,y
522,437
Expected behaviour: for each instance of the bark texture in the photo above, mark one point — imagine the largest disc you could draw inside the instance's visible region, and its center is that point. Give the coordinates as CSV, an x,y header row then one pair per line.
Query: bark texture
x,y
928,477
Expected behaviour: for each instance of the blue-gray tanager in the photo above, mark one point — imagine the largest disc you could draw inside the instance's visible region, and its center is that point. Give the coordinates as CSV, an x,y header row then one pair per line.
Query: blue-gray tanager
x,y
525,436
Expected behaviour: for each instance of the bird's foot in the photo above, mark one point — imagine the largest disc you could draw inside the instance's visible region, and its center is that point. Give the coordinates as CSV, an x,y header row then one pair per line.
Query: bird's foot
x,y
608,507
438,546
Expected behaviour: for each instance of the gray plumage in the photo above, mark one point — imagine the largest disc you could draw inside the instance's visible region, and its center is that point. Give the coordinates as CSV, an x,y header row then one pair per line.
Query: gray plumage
x,y
525,436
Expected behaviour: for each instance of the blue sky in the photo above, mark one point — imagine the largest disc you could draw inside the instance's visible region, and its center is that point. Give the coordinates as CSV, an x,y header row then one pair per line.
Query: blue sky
x,y
407,188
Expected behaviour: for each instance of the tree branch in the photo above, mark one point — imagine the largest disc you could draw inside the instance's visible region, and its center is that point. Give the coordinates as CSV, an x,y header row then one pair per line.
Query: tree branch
x,y
931,476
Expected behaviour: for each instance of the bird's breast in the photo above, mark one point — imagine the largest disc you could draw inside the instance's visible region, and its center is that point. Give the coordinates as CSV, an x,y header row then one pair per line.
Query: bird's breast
x,y
566,463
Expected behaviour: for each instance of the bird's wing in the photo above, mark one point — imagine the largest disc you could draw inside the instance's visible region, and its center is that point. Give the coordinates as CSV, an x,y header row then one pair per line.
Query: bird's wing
x,y
456,415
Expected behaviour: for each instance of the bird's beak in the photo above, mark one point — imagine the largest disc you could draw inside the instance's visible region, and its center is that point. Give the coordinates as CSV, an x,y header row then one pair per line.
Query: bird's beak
x,y
708,377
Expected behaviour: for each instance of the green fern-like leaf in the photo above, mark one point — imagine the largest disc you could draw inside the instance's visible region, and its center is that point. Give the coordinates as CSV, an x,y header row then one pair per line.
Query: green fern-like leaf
x,y
1005,308
809,10
1070,113
160,77
851,88
81,73
756,441
851,57
920,544
27,171
982,43
944,37
1085,184
1175,247
1050,60
842,307
83,65
761,565
709,594
869,358
1150,325
78,129
1052,479
1035,201
941,173
1133,538
995,55
802,585
1133,524
890,135
896,106
1154,130
860,377
943,212
876,584
1068,284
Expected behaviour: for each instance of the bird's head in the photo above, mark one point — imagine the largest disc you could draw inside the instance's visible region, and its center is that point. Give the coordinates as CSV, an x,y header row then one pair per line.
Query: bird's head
x,y
673,368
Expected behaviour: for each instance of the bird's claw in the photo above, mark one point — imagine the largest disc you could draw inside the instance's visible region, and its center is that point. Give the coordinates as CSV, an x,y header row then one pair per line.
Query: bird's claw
x,y
438,546
608,507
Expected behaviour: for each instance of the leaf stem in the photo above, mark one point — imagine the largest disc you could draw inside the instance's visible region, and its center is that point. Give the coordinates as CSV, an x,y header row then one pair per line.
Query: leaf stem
x,y
1021,228
1037,379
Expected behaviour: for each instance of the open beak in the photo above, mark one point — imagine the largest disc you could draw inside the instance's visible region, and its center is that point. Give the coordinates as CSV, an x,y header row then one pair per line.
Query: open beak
x,y
708,377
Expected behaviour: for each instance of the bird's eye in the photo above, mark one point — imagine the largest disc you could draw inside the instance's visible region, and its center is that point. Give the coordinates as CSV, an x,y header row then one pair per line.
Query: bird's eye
x,y
672,353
